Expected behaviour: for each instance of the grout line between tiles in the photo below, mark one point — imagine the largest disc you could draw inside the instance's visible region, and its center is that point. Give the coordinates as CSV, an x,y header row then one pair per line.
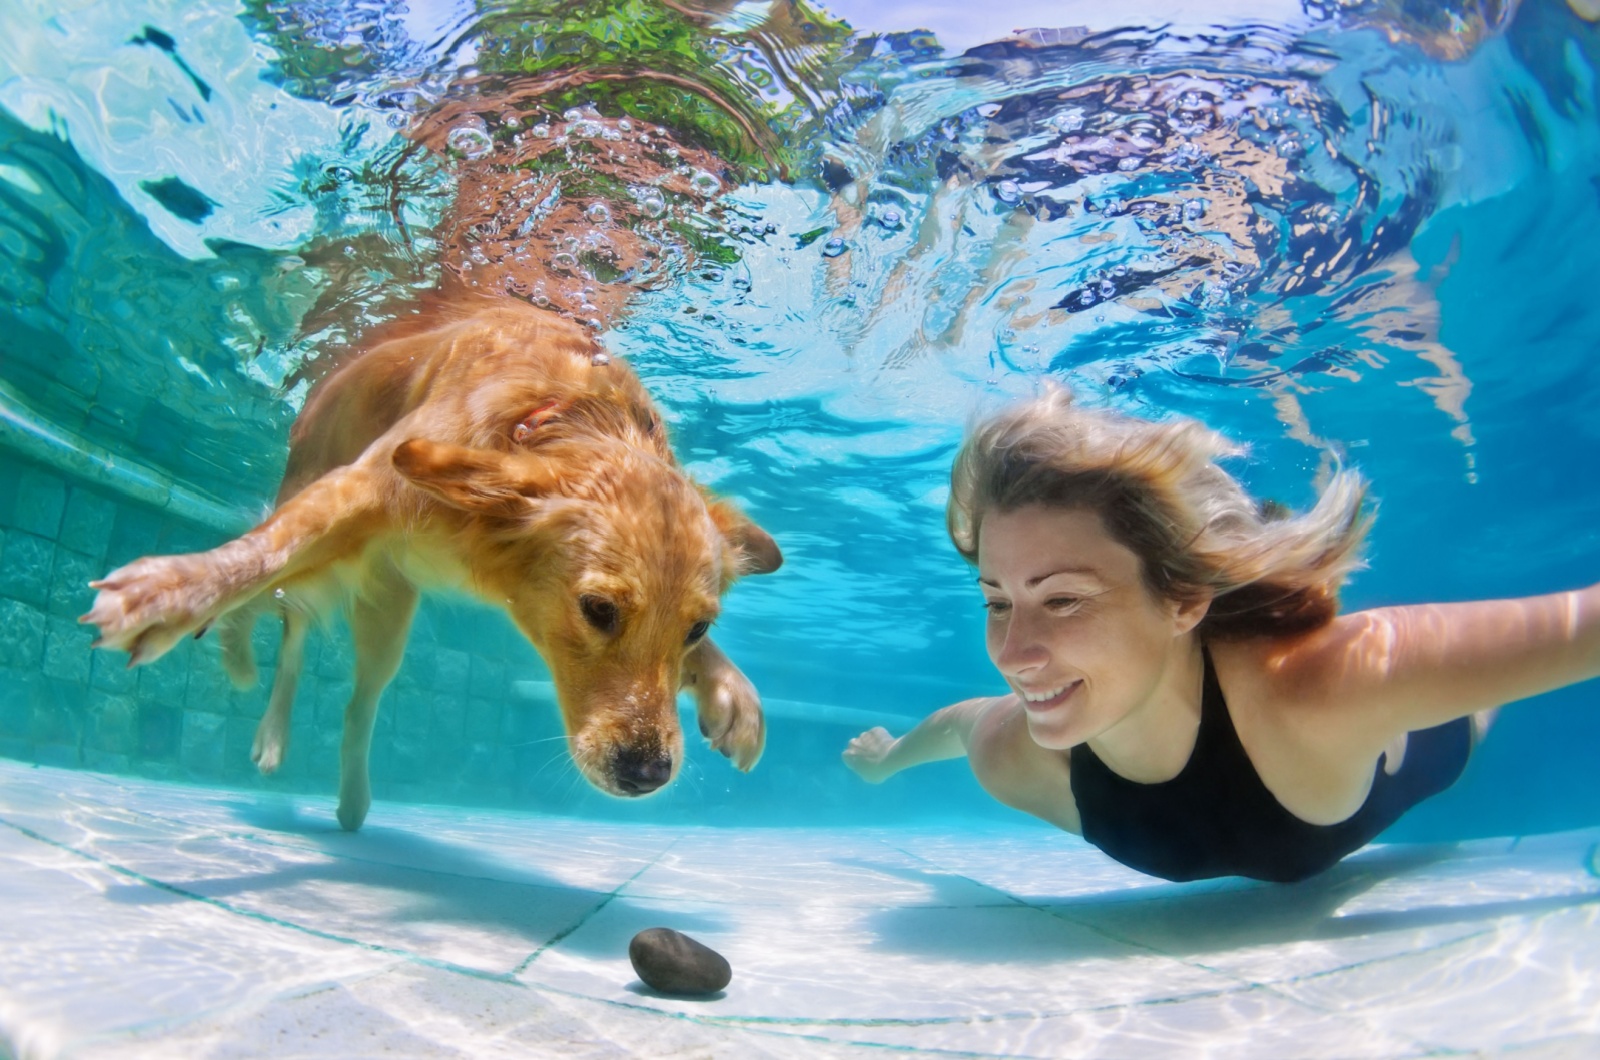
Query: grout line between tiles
x,y
585,918
262,918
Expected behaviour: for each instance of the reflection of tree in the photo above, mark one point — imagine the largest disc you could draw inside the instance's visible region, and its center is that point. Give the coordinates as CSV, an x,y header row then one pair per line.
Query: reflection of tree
x,y
580,153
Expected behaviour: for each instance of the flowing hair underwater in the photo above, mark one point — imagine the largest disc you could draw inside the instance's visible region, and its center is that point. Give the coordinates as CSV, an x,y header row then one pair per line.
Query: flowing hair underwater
x,y
1160,492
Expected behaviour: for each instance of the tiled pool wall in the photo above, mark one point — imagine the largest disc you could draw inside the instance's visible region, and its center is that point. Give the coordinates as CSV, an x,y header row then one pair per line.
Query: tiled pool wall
x,y
180,718
468,719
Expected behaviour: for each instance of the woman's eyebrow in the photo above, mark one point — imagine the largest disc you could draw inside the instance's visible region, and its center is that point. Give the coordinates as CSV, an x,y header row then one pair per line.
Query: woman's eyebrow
x,y
1031,582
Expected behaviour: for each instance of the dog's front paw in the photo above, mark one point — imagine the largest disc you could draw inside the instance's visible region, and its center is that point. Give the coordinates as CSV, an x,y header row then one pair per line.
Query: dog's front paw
x,y
147,606
730,716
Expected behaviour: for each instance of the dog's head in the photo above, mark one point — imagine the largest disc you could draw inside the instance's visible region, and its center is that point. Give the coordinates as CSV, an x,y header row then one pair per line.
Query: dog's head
x,y
613,563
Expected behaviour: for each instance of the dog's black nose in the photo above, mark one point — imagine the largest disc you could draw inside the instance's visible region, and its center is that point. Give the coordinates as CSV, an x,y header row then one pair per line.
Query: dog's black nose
x,y
640,772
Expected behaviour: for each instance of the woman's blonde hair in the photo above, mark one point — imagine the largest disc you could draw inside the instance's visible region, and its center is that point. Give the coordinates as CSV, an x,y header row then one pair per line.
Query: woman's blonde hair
x,y
1160,492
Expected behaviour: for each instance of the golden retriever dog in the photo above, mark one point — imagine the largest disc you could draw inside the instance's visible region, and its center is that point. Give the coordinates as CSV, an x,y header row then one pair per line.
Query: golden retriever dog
x,y
494,447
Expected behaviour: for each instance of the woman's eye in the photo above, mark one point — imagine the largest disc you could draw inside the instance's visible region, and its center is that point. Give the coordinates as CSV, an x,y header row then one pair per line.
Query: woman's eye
x,y
697,632
599,613
996,607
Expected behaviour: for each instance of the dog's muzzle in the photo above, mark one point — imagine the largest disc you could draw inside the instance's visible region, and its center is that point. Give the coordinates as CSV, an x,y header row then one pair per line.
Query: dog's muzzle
x,y
639,772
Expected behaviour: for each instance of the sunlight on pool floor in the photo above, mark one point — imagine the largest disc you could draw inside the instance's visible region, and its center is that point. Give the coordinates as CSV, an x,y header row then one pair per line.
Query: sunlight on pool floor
x,y
149,919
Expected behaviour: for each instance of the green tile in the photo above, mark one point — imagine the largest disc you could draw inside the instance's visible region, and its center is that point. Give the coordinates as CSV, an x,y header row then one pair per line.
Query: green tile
x,y
87,524
112,725
67,651
203,744
109,672
70,595
25,567
40,501
158,729
21,635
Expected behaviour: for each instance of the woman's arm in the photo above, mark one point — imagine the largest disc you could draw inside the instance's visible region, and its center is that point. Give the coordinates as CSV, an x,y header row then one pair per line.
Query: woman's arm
x,y
1373,675
876,756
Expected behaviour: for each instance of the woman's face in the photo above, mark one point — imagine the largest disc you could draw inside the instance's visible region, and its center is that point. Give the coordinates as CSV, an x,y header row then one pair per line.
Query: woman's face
x,y
1072,626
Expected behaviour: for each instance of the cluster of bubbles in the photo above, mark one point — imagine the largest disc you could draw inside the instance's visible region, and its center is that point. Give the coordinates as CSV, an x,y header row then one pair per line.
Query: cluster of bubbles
x,y
574,211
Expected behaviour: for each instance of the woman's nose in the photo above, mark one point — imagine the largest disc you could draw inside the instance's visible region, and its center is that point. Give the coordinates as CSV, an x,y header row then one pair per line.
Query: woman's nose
x,y
1021,648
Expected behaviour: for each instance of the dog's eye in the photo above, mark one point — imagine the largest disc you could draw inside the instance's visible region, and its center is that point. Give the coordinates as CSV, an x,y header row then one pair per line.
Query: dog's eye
x,y
696,632
601,614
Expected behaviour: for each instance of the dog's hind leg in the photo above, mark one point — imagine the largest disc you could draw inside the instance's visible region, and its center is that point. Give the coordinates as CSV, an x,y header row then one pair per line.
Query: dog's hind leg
x,y
380,619
238,654
272,735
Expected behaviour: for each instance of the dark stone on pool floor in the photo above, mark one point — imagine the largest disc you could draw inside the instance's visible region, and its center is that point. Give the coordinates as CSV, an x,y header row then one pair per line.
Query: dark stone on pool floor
x,y
674,963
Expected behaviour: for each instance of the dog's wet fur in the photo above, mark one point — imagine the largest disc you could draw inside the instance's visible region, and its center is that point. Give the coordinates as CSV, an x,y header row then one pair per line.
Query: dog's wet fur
x,y
496,448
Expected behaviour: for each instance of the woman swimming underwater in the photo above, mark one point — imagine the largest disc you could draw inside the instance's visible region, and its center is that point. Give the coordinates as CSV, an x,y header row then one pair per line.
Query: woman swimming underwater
x,y
1184,692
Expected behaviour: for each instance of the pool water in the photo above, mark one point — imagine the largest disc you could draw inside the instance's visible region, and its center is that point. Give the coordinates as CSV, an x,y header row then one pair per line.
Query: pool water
x,y
825,237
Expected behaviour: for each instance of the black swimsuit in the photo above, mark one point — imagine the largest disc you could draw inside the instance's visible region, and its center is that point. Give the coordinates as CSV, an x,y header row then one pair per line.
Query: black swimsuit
x,y
1216,818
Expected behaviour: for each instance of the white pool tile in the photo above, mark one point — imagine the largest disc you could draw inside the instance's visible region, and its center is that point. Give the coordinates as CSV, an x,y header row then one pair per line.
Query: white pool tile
x,y
1519,979
89,952
155,920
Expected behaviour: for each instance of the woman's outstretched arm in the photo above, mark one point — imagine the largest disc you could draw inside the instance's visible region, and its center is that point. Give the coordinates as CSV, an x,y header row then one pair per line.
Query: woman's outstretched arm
x,y
946,733
1375,674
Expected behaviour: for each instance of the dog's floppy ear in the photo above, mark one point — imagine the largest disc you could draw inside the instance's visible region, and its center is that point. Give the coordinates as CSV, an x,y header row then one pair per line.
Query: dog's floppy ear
x,y
476,480
758,553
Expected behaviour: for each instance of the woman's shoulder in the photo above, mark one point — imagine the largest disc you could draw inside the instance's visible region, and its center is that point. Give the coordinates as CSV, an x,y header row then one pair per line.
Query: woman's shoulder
x,y
1296,671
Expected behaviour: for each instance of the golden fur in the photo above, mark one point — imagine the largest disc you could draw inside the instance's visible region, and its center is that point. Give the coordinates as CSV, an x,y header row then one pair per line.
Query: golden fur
x,y
492,447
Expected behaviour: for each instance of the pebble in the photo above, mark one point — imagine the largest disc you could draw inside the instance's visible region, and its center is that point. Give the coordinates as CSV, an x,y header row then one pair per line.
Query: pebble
x,y
674,963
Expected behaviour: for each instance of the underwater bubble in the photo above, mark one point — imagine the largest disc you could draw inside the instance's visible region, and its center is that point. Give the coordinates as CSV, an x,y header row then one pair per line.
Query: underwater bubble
x,y
1087,297
564,261
1069,120
343,174
1128,164
1119,270
834,247
584,129
1193,210
278,594
741,283
989,110
598,213
712,275
625,125
471,141
1107,289
705,183
1007,191
891,218
541,130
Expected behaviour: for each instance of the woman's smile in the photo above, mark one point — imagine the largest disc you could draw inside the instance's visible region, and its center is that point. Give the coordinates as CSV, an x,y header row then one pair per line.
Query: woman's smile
x,y
1042,700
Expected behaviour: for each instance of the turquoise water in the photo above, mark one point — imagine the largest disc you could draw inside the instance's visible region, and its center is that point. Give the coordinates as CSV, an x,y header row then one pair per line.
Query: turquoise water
x,y
1358,231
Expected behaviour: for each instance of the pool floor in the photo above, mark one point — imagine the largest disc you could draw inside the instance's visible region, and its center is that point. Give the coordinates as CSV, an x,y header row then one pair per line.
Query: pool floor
x,y
147,919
